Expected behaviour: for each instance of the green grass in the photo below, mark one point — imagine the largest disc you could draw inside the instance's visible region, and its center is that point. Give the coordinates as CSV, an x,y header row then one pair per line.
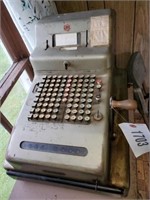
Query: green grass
x,y
10,109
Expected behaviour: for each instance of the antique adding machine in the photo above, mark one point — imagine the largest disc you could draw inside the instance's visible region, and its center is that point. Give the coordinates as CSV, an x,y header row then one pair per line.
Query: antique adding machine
x,y
63,132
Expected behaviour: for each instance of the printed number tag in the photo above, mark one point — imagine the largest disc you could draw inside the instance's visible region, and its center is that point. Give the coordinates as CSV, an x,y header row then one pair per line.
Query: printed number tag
x,y
138,137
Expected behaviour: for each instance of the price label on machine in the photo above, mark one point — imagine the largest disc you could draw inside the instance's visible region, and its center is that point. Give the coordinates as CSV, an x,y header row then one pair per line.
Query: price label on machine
x,y
138,137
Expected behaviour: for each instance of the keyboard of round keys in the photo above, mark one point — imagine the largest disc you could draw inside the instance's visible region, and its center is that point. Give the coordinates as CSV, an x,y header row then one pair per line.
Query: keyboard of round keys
x,y
64,98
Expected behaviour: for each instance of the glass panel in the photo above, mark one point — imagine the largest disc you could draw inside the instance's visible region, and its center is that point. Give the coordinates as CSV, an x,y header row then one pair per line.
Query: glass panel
x,y
5,60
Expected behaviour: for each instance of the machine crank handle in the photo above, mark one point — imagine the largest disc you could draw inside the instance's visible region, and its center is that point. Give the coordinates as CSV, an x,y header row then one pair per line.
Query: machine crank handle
x,y
128,104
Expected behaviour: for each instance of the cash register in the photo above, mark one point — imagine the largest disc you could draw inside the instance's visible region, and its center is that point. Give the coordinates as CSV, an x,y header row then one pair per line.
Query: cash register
x,y
62,134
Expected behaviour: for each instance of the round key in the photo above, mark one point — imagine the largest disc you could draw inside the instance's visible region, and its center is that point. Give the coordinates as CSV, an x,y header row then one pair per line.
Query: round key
x,y
69,80
74,80
49,76
47,116
87,76
81,111
49,110
83,95
91,85
92,80
81,76
71,94
67,90
39,104
64,99
45,104
91,89
44,77
60,76
80,80
53,81
79,85
55,110
51,85
80,118
86,118
41,116
51,105
61,89
67,117
38,95
84,90
43,94
89,100
69,105
54,116
63,81
72,89
76,76
70,76
98,97
58,100
60,94
57,105
79,90
88,106
62,85
68,110
87,112
85,85
58,80
50,89
54,76
55,89
57,85
37,110
82,105
35,116
74,111
82,100
77,94
64,76
46,85
48,81
41,85
32,110
98,86
70,100
73,117
39,89
52,99
74,85
93,76
90,95
66,94
75,105
54,94
86,80
46,99
76,100
43,110
44,89
41,99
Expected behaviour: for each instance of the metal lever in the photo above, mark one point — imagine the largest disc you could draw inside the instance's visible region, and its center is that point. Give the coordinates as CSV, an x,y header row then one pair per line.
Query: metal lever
x,y
128,104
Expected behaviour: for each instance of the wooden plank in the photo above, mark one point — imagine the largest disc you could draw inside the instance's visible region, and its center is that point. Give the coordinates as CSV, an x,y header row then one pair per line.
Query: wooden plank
x,y
124,30
141,34
93,5
11,37
7,83
70,6
4,121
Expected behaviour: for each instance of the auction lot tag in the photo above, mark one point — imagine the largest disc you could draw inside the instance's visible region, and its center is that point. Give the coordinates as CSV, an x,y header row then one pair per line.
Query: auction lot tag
x,y
138,137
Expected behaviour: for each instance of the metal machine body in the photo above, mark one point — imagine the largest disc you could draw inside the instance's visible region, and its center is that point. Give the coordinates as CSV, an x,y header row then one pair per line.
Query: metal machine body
x,y
63,128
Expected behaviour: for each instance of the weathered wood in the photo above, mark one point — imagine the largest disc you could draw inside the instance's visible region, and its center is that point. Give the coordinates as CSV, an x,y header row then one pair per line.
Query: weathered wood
x,y
5,123
141,33
6,84
11,37
124,30
70,6
30,71
93,5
